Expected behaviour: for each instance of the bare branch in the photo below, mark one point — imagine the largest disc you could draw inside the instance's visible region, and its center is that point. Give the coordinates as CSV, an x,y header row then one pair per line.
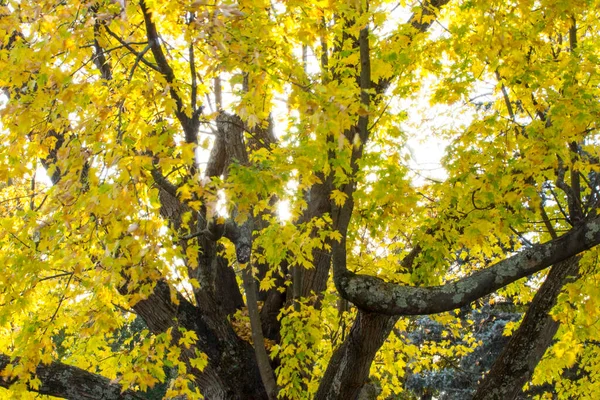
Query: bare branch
x,y
137,61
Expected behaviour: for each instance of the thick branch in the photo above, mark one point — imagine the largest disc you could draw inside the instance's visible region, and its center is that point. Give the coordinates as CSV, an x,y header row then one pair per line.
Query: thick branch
x,y
365,83
373,294
154,42
230,134
100,56
349,366
68,382
262,358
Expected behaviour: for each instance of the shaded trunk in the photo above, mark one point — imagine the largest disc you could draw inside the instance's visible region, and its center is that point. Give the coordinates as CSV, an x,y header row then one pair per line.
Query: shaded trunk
x,y
348,369
262,357
528,344
232,372
314,280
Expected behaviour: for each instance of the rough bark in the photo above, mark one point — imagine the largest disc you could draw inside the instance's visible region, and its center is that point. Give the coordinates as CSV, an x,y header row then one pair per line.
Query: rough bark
x,y
232,372
348,369
372,294
373,328
515,366
273,303
230,358
231,129
314,280
68,382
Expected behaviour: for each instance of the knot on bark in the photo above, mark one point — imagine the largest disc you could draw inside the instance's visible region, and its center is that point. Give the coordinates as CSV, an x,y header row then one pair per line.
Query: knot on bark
x,y
242,253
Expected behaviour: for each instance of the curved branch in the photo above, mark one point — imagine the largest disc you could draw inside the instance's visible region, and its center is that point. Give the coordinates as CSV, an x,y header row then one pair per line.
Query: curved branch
x,y
372,294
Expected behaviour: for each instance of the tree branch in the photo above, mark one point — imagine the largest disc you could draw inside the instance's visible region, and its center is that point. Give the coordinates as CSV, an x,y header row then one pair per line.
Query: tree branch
x,y
349,366
428,9
262,358
189,124
100,54
573,196
154,42
131,49
416,20
229,356
68,382
372,294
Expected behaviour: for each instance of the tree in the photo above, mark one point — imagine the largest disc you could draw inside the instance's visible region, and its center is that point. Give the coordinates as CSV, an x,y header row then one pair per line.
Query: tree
x,y
149,147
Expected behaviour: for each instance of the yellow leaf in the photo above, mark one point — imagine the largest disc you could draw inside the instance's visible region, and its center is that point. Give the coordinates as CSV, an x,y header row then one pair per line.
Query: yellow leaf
x,y
338,197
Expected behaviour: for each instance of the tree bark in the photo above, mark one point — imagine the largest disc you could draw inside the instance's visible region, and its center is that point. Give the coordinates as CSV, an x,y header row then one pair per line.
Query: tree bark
x,y
372,294
515,366
314,280
68,382
348,369
262,357
232,372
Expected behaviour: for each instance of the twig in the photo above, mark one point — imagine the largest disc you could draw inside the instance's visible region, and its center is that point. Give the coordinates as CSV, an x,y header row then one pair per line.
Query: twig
x,y
131,49
138,58
46,278
62,298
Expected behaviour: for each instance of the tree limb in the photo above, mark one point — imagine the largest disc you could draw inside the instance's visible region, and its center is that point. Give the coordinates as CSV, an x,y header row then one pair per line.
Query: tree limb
x,y
189,124
350,364
262,358
229,356
131,49
69,382
372,294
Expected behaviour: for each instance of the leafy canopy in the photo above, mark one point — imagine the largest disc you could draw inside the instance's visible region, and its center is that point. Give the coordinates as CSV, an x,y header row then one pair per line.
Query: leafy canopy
x,y
112,173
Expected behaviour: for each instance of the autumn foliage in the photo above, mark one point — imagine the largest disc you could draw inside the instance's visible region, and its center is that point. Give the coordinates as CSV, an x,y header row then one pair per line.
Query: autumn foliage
x,y
229,198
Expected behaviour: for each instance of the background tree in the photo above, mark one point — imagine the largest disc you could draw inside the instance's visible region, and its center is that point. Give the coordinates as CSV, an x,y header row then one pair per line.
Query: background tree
x,y
149,147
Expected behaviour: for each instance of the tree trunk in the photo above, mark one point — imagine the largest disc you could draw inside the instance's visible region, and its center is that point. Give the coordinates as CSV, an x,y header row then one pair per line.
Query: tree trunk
x,y
528,344
348,369
232,372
